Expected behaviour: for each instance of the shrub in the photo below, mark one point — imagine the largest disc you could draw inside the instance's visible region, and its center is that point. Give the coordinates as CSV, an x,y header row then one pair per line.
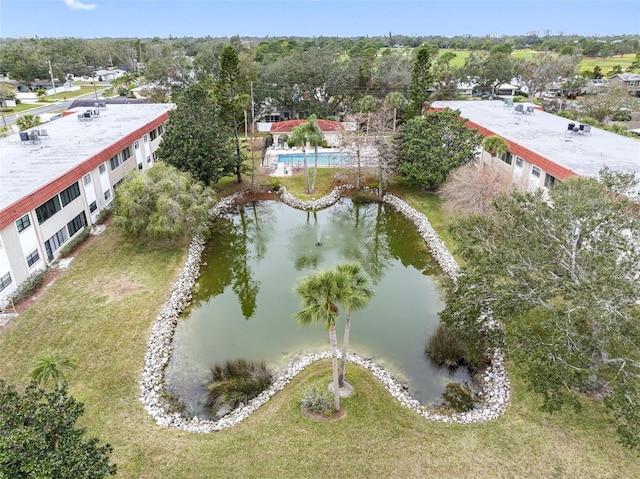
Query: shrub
x,y
318,400
458,398
567,114
444,349
29,285
235,382
589,121
362,197
77,241
103,216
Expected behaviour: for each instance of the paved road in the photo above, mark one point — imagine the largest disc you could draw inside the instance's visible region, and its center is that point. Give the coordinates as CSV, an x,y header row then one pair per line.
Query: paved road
x,y
48,108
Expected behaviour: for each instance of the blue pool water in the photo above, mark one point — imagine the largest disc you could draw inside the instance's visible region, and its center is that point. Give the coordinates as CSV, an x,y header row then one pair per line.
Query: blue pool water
x,y
324,159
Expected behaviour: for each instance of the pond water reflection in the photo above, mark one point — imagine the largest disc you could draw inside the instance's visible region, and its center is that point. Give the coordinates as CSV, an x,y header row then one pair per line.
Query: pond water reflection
x,y
244,302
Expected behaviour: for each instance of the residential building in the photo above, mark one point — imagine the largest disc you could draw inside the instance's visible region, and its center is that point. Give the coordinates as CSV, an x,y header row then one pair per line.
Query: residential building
x,y
55,182
629,81
332,130
545,148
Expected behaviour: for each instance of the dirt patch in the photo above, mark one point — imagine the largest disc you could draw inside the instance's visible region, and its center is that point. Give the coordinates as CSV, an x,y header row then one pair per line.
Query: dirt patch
x,y
314,416
115,288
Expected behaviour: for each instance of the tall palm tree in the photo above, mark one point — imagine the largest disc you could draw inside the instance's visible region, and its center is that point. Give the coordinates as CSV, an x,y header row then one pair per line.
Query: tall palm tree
x,y
52,366
308,133
320,293
395,100
496,145
357,296
368,104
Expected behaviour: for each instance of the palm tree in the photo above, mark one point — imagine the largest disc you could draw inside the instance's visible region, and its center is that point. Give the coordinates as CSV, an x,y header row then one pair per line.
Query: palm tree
x,y
243,102
27,121
315,138
495,145
395,100
367,105
308,133
320,293
51,366
357,296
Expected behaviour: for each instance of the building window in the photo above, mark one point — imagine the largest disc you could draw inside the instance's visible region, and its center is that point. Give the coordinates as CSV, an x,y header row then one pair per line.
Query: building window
x,y
117,185
48,209
70,194
149,159
33,257
146,138
153,134
549,180
160,130
5,281
53,243
114,162
23,223
86,179
102,169
136,144
126,154
519,162
155,156
107,195
76,224
139,166
93,206
507,158
535,171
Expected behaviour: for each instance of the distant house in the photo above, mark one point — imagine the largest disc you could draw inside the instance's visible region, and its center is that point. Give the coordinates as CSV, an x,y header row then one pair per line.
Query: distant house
x,y
630,81
332,130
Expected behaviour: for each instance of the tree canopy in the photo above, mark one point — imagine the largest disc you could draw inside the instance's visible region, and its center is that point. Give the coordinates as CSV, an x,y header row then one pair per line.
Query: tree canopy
x,y
162,203
38,437
561,276
196,139
432,146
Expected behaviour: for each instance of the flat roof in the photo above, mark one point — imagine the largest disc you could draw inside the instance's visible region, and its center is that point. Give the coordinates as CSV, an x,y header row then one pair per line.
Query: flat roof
x,y
547,135
26,168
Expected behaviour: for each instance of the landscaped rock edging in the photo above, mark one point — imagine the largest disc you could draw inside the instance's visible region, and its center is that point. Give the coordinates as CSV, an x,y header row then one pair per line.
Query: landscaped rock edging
x,y
494,385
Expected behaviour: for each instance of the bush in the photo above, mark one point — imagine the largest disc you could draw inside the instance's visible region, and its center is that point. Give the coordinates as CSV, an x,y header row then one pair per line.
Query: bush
x,y
235,382
318,400
103,216
567,114
444,349
77,241
590,121
458,398
29,286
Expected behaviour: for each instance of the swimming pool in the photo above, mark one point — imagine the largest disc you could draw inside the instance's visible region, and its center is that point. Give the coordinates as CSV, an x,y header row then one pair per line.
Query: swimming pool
x,y
324,159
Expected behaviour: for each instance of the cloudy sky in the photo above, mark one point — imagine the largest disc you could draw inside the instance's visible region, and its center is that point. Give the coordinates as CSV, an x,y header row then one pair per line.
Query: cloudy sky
x,y
217,18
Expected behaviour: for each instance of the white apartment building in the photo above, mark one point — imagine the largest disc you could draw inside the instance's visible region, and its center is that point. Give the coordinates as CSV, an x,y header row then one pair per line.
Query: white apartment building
x,y
55,182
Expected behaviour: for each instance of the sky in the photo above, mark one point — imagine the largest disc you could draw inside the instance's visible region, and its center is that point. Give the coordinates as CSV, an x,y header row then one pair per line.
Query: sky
x,y
310,18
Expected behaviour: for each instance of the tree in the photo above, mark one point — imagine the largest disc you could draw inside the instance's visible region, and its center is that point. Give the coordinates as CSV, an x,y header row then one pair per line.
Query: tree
x,y
51,366
227,88
421,80
489,71
357,295
308,133
562,280
38,437
27,121
163,203
432,146
196,139
606,106
367,105
395,100
544,68
495,145
320,293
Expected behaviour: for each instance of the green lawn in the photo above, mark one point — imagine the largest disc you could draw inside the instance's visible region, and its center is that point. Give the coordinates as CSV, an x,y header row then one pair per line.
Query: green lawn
x,y
100,311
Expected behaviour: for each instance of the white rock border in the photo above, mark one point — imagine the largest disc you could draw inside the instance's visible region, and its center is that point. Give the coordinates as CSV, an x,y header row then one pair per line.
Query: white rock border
x,y
495,389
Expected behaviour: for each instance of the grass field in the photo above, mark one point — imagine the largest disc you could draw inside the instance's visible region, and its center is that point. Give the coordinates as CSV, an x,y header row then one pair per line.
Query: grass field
x,y
100,311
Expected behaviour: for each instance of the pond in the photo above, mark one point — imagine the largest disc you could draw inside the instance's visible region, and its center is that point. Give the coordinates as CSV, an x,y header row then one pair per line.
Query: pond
x,y
244,303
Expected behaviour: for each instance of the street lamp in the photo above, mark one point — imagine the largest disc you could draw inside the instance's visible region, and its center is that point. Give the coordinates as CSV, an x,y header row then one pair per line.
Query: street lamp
x,y
95,92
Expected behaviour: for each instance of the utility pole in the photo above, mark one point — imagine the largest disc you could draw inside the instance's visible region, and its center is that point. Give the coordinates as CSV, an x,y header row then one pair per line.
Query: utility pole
x,y
52,82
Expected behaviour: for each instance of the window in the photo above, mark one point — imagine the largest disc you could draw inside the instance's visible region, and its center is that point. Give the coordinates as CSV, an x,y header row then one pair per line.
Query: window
x,y
507,158
86,179
117,185
70,194
139,166
549,180
160,130
535,171
519,162
153,134
33,257
136,144
5,281
93,206
114,162
102,169
146,138
155,156
48,209
76,224
149,159
53,243
23,223
107,195
126,154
